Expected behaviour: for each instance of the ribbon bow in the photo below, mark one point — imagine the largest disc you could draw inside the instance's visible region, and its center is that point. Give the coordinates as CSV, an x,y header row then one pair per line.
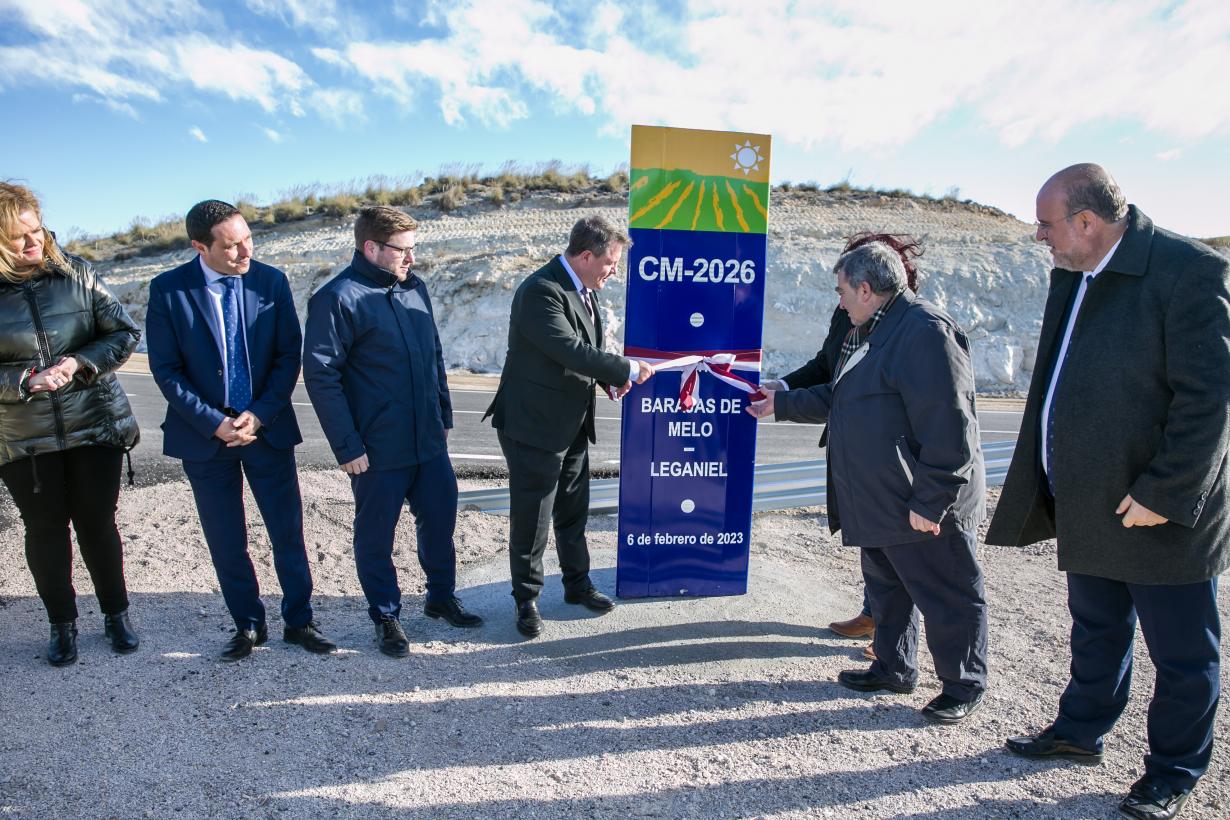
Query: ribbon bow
x,y
718,363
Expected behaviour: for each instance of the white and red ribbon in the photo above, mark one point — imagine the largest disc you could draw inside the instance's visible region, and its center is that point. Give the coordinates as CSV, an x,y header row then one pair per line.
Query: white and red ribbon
x,y
720,364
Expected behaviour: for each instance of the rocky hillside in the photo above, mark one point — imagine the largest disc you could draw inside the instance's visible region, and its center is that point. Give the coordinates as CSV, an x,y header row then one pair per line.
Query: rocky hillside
x,y
980,264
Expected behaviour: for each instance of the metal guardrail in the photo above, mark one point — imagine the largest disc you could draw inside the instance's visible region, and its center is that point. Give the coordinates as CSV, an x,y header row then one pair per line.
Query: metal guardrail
x,y
774,486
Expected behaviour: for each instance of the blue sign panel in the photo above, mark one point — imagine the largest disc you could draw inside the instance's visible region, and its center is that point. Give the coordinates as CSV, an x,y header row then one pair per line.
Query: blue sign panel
x,y
695,309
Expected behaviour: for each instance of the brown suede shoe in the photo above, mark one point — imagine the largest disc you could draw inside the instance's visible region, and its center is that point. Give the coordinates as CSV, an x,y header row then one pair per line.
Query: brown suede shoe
x,y
860,626
869,652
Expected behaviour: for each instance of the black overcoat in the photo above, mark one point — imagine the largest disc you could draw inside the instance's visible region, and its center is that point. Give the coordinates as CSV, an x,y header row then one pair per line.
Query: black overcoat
x,y
817,372
1143,407
905,430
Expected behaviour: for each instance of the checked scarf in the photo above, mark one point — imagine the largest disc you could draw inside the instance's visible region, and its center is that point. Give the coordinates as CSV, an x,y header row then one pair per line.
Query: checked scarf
x,y
859,333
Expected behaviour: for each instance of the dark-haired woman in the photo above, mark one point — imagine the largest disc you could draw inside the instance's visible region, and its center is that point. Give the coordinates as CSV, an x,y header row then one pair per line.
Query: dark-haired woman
x,y
820,371
65,422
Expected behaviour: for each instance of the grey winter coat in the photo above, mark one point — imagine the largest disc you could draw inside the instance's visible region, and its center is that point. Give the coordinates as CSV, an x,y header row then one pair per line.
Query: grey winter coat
x,y
63,312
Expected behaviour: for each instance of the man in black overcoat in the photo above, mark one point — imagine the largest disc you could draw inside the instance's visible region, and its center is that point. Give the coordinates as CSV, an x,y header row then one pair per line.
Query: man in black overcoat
x,y
1122,459
907,474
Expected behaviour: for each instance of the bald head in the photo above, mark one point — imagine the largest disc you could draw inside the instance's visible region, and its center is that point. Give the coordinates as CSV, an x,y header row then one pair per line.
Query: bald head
x,y
1088,187
1081,214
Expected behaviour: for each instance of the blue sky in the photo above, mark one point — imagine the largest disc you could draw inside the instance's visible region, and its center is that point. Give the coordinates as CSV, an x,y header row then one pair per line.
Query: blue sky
x,y
127,108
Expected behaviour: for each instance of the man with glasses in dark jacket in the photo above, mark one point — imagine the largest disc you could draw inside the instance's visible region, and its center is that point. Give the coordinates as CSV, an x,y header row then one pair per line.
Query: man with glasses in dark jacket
x,y
907,475
374,370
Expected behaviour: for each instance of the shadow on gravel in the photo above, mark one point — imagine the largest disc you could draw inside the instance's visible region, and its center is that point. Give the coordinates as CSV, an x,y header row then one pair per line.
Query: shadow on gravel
x,y
1097,804
470,714
756,797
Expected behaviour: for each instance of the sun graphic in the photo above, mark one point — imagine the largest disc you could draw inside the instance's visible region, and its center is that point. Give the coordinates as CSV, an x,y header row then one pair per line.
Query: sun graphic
x,y
747,157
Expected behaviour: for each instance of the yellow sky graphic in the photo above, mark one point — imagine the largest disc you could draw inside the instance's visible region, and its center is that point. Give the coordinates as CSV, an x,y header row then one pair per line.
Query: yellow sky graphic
x,y
706,153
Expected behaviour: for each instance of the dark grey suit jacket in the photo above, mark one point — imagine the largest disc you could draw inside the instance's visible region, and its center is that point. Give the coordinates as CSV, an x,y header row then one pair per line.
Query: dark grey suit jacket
x,y
1143,407
554,357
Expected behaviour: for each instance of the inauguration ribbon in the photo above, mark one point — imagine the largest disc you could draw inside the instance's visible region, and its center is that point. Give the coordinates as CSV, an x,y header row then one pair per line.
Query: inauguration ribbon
x,y
720,364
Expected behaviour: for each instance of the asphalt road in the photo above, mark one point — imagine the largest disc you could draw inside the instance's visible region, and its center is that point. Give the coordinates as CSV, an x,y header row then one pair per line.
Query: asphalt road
x,y
473,445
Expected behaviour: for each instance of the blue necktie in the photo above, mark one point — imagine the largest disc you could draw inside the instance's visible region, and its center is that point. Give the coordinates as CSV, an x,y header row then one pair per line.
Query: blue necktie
x,y
1050,419
239,382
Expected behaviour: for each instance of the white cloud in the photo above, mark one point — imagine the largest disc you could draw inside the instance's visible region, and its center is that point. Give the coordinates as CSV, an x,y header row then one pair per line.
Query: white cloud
x,y
197,134
239,72
274,136
845,73
24,65
488,40
330,55
115,105
860,75
321,15
1170,155
338,106
129,50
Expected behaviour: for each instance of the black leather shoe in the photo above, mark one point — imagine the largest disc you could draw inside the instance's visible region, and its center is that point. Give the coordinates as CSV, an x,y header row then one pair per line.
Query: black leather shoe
x,y
119,632
453,612
865,681
241,643
310,638
62,649
529,622
392,638
590,599
1045,745
947,709
1152,798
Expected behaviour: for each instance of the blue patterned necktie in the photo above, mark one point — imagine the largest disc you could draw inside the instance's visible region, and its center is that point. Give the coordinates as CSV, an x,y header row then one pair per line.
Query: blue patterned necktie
x,y
239,382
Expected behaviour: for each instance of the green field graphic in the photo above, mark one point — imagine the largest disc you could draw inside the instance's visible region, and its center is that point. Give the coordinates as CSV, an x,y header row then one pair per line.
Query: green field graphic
x,y
685,201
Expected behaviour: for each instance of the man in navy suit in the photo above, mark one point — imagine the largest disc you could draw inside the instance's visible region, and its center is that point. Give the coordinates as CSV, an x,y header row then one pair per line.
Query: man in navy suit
x,y
224,348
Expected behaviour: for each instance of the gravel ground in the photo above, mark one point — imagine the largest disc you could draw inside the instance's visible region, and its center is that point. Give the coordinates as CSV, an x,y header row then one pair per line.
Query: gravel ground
x,y
721,707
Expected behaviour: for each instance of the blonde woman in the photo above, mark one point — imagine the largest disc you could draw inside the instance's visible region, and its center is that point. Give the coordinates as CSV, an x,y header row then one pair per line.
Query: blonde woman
x,y
65,422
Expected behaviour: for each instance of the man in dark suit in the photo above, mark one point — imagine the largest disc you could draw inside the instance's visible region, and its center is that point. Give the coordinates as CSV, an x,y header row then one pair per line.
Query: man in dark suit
x,y
544,412
1122,459
224,349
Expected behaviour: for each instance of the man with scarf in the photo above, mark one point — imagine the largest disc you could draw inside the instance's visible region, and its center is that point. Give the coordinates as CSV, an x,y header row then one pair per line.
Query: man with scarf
x,y
906,473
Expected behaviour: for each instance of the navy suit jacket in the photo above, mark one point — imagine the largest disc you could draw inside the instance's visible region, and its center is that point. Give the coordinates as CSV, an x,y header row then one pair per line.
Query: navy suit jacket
x,y
186,358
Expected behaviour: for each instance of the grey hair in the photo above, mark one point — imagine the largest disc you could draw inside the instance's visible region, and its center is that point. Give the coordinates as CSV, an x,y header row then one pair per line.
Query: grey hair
x,y
876,264
596,235
1088,187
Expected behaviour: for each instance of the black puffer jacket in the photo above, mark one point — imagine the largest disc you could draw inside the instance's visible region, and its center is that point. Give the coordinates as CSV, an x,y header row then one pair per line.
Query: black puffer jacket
x,y
64,312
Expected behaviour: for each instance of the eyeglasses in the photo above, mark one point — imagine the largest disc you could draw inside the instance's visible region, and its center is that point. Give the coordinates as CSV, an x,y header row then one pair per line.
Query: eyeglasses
x,y
1046,226
405,252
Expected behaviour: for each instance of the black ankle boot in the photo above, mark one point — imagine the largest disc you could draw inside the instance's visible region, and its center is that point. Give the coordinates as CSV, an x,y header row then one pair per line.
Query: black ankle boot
x,y
62,650
118,630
